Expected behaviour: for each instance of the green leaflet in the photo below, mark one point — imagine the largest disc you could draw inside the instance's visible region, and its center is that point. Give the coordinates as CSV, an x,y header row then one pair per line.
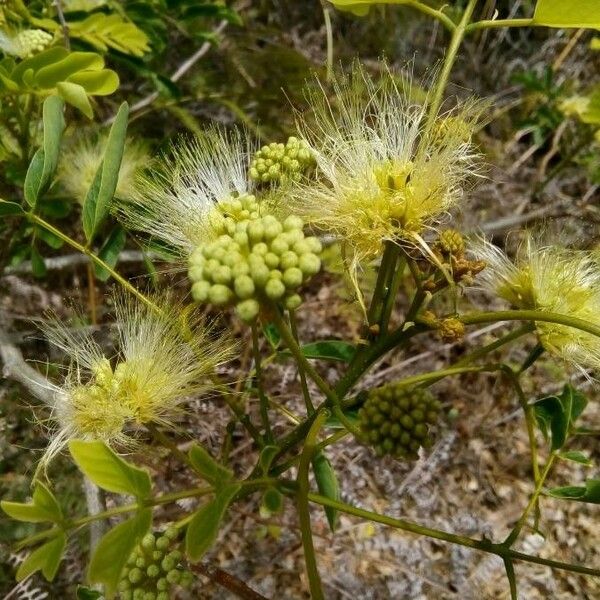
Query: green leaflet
x,y
44,161
208,467
204,527
97,201
46,559
109,471
114,549
562,13
328,486
44,507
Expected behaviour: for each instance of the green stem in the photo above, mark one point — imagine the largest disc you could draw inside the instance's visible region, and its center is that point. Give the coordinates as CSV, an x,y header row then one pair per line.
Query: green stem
x,y
458,34
514,534
529,413
499,23
264,402
79,247
392,291
329,34
301,373
314,580
388,260
301,360
531,315
481,545
446,21
434,376
484,350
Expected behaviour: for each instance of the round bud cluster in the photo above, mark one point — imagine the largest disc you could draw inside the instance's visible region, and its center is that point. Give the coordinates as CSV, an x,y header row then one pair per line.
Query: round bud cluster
x,y
451,241
254,259
281,162
32,41
451,329
395,420
153,568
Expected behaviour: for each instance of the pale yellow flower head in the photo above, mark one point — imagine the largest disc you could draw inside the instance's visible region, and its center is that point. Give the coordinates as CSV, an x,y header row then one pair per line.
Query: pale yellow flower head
x,y
175,203
553,279
80,160
161,360
381,175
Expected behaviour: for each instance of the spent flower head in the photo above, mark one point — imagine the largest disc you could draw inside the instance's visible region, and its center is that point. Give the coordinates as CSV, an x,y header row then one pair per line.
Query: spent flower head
x,y
80,160
549,278
175,203
161,360
383,174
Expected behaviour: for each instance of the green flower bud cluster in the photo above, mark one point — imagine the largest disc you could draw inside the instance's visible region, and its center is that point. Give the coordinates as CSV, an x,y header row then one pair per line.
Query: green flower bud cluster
x,y
32,41
254,259
281,162
395,420
153,568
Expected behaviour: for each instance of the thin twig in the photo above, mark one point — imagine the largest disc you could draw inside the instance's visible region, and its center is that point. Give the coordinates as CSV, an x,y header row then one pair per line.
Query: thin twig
x,y
226,580
63,22
57,263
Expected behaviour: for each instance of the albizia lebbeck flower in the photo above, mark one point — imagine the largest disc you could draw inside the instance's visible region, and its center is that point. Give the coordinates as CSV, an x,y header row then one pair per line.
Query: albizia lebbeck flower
x,y
554,279
160,362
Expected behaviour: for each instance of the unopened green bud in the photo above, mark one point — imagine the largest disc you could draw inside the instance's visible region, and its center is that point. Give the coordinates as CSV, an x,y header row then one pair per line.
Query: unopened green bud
x,y
219,295
200,291
148,542
247,310
293,302
260,274
271,260
292,222
309,264
168,564
274,289
292,278
162,584
174,576
288,260
244,286
279,245
153,571
135,575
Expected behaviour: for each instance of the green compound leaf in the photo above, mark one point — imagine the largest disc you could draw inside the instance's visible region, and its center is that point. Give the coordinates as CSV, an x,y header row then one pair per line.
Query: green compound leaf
x,y
114,549
561,13
97,201
46,559
109,252
10,208
328,486
208,467
590,493
44,507
204,527
576,456
109,471
74,76
556,414
111,31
